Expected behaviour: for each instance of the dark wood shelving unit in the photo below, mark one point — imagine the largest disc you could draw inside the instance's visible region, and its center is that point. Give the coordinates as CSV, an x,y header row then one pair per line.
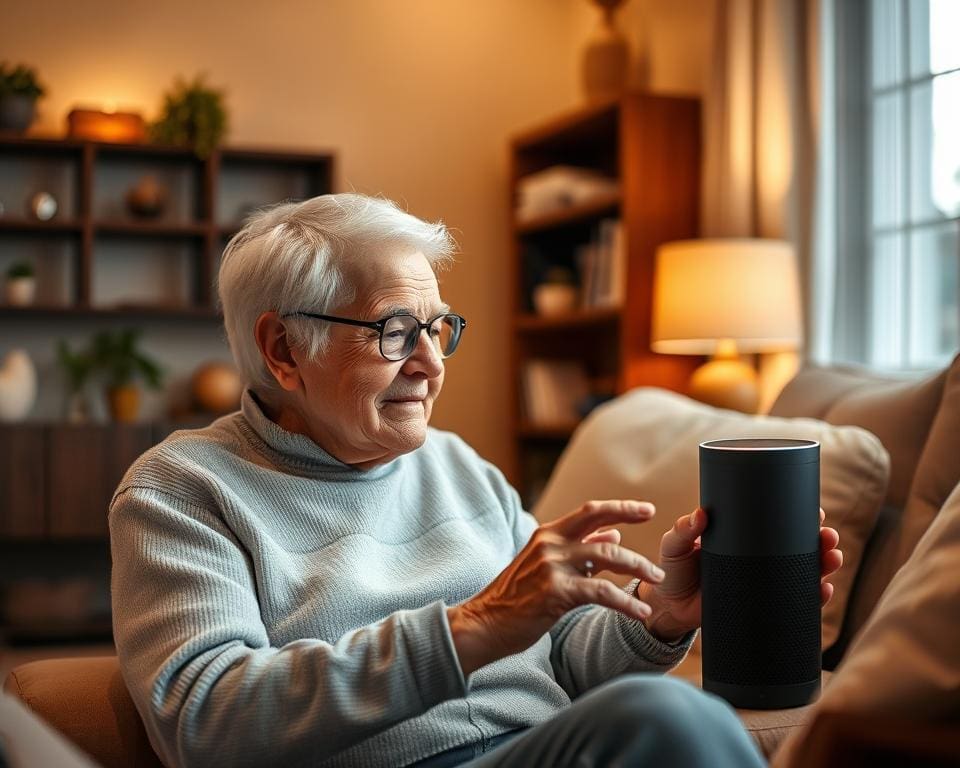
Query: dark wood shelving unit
x,y
586,318
651,145
40,227
528,431
91,225
125,311
150,228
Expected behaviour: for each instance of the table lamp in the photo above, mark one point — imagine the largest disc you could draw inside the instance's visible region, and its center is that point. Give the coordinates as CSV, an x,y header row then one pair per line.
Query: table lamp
x,y
721,297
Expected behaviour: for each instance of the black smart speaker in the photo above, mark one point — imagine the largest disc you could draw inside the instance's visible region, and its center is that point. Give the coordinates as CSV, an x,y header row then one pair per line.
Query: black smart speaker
x,y
760,571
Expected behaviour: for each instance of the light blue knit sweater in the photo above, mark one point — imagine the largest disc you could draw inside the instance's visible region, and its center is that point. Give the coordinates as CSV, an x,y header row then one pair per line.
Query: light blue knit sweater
x,y
273,606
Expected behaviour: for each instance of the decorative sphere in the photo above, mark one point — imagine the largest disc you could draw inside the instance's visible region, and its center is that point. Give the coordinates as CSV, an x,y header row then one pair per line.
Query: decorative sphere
x,y
216,387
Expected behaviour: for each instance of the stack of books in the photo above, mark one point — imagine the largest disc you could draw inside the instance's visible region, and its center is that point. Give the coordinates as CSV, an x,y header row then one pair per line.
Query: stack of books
x,y
603,266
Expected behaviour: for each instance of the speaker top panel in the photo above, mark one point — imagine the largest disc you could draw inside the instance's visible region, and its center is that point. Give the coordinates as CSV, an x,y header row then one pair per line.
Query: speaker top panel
x,y
766,450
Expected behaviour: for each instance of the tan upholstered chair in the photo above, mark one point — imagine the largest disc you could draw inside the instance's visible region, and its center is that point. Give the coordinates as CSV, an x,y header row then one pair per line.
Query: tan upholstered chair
x,y
87,701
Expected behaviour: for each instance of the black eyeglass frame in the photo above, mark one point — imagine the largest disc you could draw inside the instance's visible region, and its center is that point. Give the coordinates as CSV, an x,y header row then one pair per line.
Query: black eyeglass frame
x,y
379,325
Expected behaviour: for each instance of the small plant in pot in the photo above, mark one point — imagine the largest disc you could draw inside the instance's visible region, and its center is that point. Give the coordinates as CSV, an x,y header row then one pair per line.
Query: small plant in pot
x,y
21,284
193,115
19,91
117,356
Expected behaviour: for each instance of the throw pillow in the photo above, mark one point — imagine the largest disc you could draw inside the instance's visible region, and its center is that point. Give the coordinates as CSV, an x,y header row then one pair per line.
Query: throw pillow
x,y
937,472
644,445
905,663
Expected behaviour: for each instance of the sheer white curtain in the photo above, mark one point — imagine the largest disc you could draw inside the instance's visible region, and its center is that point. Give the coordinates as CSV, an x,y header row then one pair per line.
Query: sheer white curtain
x,y
763,138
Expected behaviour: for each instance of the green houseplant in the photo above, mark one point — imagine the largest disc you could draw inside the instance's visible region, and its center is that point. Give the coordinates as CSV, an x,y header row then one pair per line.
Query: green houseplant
x,y
194,115
21,285
19,91
118,358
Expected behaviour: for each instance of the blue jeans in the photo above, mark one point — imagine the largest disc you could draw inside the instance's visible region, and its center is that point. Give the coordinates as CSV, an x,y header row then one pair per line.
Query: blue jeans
x,y
634,720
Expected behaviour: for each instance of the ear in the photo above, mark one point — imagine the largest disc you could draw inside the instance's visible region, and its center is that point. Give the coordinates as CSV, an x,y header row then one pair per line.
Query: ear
x,y
271,335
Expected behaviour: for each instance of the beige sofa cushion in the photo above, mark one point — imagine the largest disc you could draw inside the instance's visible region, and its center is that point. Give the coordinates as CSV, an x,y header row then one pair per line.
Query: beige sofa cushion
x,y
644,445
898,412
906,661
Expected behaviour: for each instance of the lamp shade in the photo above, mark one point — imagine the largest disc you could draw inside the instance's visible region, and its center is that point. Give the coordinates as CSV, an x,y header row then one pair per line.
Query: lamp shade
x,y
730,289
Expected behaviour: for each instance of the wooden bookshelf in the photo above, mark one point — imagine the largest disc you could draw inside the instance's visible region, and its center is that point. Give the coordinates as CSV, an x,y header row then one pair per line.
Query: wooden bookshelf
x,y
651,145
208,199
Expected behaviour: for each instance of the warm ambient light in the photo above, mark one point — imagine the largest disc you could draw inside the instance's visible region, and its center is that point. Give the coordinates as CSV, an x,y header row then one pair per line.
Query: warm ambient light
x,y
724,296
123,127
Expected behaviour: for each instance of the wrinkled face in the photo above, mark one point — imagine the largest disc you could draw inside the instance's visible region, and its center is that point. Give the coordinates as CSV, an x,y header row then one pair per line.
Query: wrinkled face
x,y
359,407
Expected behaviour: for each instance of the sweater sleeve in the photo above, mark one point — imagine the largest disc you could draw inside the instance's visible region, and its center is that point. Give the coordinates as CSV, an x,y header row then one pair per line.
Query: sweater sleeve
x,y
210,687
593,644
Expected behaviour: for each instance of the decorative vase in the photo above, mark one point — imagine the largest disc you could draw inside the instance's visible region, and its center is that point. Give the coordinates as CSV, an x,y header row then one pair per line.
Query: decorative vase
x,y
124,403
216,387
18,386
606,60
148,198
17,112
20,291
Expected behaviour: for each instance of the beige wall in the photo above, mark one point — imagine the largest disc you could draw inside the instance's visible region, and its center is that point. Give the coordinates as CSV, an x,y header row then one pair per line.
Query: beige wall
x,y
417,98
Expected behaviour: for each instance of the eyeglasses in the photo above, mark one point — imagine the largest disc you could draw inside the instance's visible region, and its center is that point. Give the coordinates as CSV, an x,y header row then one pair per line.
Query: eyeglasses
x,y
399,333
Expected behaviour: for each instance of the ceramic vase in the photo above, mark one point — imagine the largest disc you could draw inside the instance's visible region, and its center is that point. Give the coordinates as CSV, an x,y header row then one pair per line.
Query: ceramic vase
x,y
124,403
18,386
606,59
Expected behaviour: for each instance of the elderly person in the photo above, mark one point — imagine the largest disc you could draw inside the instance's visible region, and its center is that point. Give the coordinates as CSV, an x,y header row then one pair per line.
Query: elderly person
x,y
321,579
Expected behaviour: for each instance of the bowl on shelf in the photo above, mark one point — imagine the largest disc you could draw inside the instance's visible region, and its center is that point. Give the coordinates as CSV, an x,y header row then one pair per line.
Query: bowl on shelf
x,y
555,298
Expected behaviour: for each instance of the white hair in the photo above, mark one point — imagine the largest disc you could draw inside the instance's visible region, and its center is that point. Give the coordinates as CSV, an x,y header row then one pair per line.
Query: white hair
x,y
289,258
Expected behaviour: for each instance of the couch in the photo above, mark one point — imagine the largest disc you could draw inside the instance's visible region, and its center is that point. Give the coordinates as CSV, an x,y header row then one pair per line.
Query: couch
x,y
883,481
917,421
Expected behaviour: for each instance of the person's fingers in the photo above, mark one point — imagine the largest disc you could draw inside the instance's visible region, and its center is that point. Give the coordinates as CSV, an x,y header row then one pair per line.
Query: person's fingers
x,y
607,556
826,592
611,535
606,593
596,514
681,539
823,515
830,561
829,538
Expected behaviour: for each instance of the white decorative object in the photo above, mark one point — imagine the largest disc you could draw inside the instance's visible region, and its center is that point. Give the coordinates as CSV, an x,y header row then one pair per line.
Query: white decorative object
x,y
18,386
20,291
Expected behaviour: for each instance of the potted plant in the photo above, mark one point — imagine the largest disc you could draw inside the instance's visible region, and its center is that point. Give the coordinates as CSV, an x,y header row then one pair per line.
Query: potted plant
x,y
193,115
77,367
21,285
19,91
116,355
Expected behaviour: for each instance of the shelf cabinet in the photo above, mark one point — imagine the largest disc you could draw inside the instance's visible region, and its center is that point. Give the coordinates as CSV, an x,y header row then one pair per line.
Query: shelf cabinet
x,y
58,479
95,256
650,145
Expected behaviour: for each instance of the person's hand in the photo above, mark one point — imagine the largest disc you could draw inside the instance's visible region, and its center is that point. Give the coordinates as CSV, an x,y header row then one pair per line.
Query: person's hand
x,y
676,600
550,577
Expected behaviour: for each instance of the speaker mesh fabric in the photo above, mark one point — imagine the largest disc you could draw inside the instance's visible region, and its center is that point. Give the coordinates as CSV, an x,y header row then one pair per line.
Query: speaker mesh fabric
x,y
761,618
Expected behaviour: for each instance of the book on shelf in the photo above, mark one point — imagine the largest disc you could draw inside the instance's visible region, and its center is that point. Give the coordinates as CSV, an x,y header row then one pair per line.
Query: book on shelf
x,y
554,391
603,266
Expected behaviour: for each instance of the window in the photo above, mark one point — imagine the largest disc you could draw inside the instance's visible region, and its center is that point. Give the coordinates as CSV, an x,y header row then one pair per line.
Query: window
x,y
898,191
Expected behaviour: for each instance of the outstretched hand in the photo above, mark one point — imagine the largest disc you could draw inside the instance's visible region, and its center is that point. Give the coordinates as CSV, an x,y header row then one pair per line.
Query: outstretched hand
x,y
675,601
